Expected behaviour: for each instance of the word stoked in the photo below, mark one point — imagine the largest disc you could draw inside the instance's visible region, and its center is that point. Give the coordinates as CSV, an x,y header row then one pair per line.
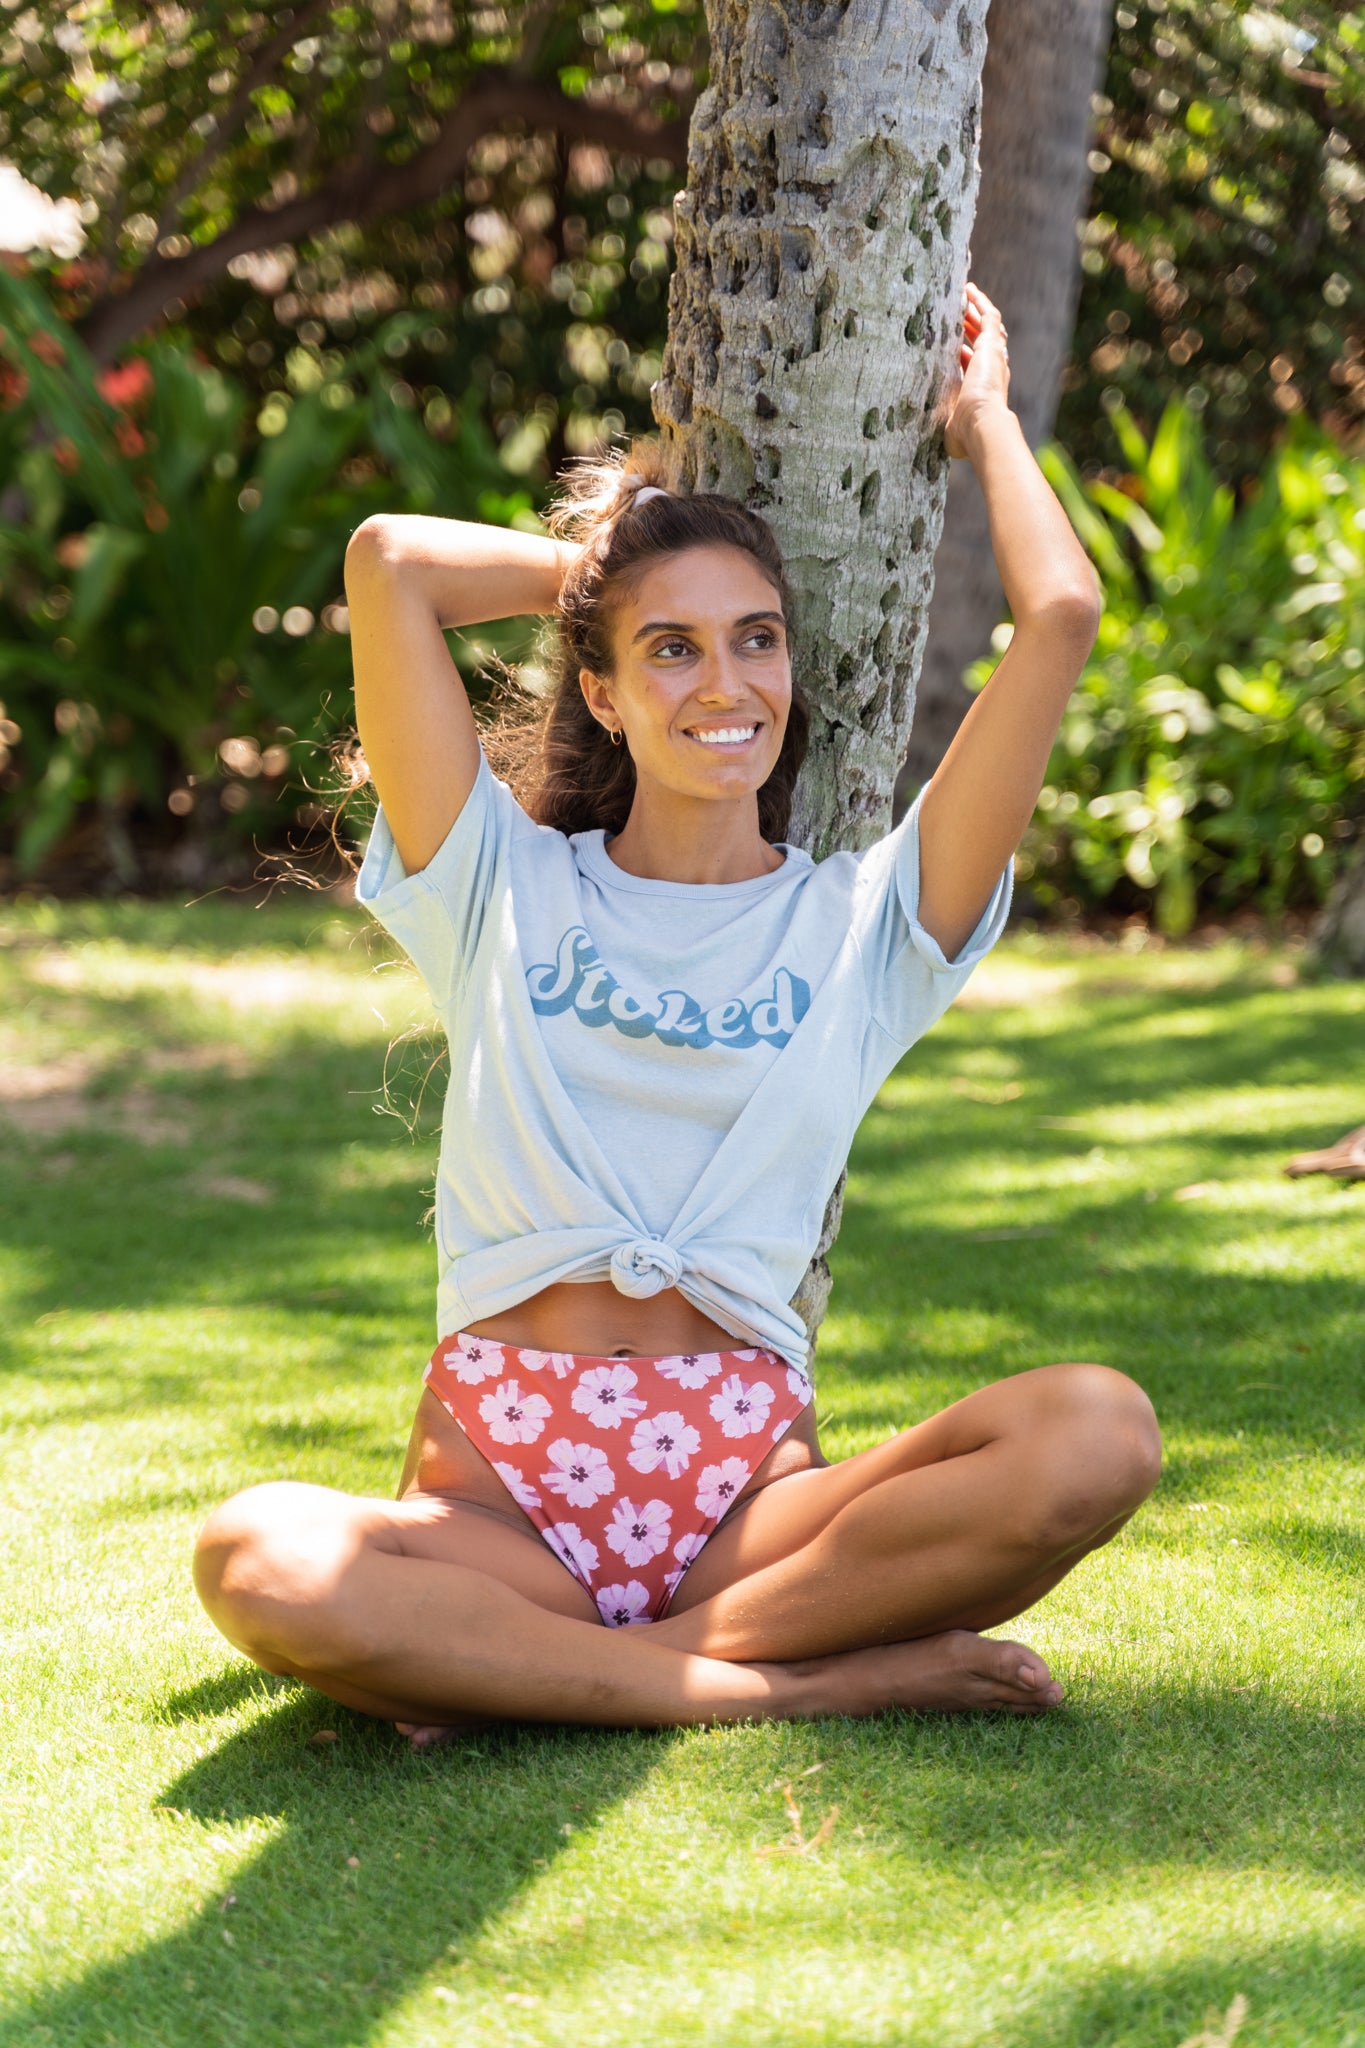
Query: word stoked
x,y
576,980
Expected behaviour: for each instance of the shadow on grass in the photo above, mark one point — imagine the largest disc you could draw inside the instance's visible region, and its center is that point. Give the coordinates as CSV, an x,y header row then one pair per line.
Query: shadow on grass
x,y
308,1947
1310,1990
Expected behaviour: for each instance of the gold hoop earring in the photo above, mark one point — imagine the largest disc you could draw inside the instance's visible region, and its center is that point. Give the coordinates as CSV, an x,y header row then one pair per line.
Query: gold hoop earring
x,y
614,735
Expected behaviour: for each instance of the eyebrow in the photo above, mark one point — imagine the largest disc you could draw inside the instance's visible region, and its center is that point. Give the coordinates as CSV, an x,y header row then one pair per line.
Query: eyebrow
x,y
681,625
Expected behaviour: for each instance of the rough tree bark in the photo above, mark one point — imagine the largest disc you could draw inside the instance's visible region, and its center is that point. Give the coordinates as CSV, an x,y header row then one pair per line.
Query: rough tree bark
x,y
814,320
1339,940
1044,62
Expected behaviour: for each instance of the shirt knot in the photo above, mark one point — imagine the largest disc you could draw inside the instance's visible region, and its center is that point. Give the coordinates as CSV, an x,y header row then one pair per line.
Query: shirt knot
x,y
645,1266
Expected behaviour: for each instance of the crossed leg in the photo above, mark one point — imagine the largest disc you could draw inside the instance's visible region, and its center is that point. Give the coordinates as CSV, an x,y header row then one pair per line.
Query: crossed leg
x,y
848,1588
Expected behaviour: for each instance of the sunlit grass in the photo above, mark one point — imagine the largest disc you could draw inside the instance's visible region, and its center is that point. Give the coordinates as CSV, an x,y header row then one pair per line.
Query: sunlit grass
x,y
214,1270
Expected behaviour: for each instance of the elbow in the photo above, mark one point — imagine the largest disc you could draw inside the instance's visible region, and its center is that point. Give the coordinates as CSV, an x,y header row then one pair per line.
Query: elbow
x,y
1078,609
376,544
1068,620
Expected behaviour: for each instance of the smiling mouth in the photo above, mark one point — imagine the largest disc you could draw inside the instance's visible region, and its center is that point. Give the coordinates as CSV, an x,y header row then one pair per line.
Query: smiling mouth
x,y
724,736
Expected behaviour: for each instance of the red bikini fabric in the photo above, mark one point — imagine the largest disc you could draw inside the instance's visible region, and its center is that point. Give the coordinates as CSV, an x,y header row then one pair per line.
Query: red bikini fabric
x,y
625,1465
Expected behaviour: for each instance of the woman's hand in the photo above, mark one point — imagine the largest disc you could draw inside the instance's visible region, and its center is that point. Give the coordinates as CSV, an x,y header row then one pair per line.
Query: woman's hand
x,y
985,361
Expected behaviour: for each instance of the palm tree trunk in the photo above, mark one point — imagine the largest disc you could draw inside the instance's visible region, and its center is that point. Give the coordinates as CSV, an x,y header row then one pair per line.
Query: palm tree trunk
x,y
1339,939
814,321
1044,62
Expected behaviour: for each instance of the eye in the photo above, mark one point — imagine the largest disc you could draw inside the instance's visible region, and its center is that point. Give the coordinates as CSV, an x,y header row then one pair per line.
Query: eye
x,y
665,645
764,635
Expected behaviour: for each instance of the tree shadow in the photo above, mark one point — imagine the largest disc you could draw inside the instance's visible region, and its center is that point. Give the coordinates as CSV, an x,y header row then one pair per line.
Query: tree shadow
x,y
384,1868
380,1865
1306,1989
1107,1285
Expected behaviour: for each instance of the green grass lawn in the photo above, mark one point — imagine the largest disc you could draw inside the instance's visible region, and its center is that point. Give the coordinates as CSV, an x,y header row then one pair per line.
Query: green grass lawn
x,y
215,1270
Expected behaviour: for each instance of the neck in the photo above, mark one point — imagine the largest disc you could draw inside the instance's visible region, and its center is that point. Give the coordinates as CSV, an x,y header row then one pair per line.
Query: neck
x,y
671,838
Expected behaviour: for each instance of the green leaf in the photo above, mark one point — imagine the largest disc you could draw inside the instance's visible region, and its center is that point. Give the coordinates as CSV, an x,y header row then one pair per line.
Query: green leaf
x,y
111,552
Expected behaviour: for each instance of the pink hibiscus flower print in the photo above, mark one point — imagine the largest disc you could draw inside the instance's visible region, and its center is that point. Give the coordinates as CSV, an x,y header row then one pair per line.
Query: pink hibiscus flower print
x,y
691,1369
718,1486
474,1359
574,1549
525,1496
580,1472
603,1394
619,1606
686,1548
560,1363
740,1409
665,1440
514,1417
637,1534
798,1385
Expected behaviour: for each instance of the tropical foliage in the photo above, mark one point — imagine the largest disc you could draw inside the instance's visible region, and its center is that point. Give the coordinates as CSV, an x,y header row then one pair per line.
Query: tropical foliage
x,y
1222,253
1214,752
400,253
172,630
274,185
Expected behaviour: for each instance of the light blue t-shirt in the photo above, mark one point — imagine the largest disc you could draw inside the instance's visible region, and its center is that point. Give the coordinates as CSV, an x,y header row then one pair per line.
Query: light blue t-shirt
x,y
655,1083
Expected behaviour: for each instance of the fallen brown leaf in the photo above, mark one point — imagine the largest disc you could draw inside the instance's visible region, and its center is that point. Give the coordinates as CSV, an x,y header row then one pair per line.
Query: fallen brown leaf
x,y
1223,2033
799,1846
322,1738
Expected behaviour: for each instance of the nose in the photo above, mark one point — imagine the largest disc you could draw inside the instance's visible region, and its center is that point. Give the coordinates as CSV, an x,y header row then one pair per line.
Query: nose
x,y
721,681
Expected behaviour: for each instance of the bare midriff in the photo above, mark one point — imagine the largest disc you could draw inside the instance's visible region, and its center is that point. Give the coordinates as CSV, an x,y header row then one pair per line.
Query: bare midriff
x,y
596,1321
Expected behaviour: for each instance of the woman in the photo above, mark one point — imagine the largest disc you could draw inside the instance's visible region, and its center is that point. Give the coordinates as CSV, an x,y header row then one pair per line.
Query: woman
x,y
664,1025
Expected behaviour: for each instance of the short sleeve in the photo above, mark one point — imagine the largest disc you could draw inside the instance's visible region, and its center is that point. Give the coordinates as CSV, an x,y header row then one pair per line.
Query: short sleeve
x,y
437,915
912,982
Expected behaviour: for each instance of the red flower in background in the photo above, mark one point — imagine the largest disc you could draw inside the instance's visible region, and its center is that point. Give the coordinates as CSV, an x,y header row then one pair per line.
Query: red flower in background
x,y
47,348
13,386
65,456
130,441
126,384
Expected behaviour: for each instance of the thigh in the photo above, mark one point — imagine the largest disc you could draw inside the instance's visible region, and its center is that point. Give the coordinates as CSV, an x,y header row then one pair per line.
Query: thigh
x,y
791,1511
290,1545
452,1531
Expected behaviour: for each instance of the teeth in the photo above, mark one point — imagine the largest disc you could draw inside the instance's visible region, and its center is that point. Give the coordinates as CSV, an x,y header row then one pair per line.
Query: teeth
x,y
730,735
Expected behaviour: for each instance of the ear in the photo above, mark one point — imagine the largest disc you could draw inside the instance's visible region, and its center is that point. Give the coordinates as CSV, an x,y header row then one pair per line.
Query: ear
x,y
597,697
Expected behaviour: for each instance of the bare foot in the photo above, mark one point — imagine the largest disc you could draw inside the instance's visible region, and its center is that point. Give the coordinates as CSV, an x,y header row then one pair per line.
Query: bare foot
x,y
1345,1160
958,1672
424,1735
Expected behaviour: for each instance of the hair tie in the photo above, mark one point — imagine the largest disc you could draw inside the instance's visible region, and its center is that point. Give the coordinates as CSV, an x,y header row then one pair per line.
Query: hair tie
x,y
648,491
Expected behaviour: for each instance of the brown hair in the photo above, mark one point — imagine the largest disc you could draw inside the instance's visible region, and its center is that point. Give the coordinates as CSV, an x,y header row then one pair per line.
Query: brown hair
x,y
559,760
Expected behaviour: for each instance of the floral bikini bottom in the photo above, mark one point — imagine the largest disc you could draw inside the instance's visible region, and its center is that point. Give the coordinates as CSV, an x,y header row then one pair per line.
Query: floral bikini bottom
x,y
625,1465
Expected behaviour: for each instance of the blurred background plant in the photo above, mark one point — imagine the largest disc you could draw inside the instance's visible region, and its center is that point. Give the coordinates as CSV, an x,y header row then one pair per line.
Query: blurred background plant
x,y
173,630
305,262
1213,754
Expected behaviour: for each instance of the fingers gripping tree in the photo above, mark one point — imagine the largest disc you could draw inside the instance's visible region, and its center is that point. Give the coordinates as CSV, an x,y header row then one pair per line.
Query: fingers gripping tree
x,y
814,321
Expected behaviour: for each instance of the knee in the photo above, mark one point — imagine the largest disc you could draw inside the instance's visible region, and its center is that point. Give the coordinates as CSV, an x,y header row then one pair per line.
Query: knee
x,y
1098,1454
269,1567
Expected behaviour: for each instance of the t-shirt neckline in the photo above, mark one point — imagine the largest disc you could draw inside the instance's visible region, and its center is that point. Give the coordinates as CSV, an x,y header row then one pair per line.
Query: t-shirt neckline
x,y
590,849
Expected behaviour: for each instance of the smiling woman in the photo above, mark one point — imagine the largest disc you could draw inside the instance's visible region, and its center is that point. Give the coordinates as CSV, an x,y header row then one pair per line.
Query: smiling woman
x,y
665,1025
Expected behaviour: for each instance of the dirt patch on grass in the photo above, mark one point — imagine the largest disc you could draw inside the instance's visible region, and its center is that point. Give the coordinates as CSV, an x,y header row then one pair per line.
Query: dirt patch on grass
x,y
233,1187
138,1114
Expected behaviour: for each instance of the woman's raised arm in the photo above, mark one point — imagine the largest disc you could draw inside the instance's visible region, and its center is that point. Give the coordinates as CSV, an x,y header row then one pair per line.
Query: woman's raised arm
x,y
983,794
409,576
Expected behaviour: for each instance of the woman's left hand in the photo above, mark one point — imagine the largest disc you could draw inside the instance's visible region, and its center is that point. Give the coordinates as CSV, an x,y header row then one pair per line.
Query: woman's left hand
x,y
985,360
